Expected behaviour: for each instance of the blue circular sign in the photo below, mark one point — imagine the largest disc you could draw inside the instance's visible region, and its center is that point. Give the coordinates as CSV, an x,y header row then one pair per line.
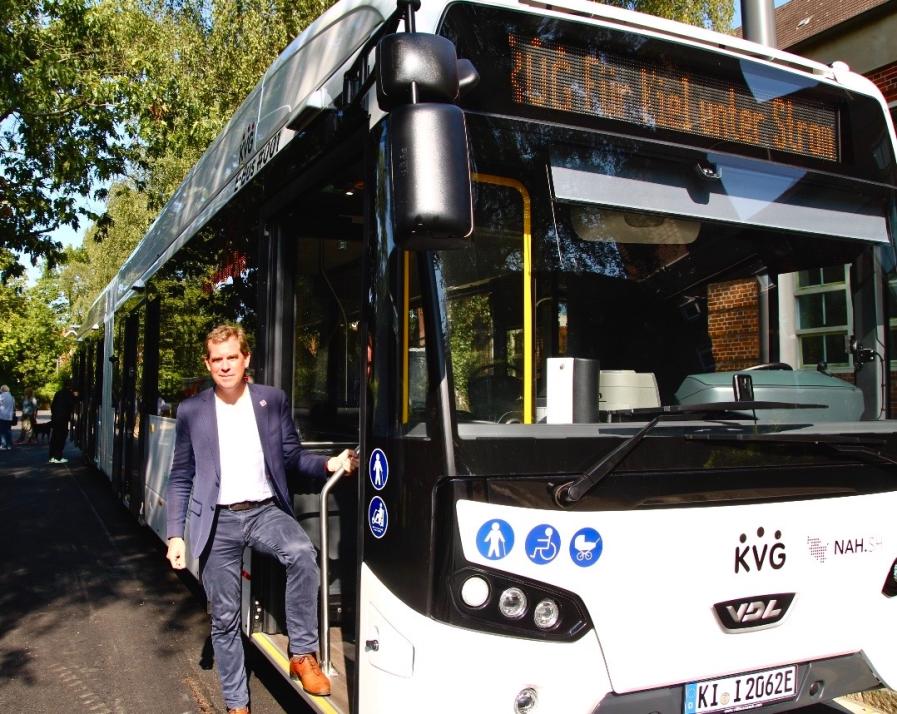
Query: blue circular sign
x,y
586,547
378,517
378,469
543,544
495,539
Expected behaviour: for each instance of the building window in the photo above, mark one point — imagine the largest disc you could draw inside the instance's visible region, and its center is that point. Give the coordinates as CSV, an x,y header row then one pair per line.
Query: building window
x,y
823,309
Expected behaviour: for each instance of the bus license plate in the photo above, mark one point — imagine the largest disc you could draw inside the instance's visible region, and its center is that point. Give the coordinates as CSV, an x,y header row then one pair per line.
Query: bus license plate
x,y
743,691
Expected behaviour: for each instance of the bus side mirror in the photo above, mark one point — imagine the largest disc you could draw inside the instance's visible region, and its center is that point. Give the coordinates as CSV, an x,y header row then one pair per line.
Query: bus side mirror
x,y
418,78
416,67
430,176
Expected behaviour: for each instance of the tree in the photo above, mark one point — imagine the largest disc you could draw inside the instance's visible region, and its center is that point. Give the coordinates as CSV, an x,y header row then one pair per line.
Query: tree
x,y
32,335
91,267
62,105
715,14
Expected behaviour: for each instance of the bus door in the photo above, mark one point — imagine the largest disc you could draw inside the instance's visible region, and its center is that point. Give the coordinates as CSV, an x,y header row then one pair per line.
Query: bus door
x,y
149,402
127,458
93,397
312,350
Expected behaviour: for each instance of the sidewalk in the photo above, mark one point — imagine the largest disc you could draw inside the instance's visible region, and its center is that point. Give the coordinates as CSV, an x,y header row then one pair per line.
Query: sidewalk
x,y
92,618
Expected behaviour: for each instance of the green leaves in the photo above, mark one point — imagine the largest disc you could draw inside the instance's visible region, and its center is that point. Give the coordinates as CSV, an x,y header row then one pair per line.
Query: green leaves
x,y
713,14
61,103
32,334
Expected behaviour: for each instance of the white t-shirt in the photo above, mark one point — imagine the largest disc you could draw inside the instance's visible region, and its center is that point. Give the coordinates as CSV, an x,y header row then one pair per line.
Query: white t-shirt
x,y
240,448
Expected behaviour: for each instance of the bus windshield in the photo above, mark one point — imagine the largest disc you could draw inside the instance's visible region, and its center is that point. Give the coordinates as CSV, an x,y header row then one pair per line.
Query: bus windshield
x,y
607,277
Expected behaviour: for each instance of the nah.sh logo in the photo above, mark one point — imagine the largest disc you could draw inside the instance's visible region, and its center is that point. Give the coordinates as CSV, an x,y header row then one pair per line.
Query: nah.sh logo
x,y
753,612
755,556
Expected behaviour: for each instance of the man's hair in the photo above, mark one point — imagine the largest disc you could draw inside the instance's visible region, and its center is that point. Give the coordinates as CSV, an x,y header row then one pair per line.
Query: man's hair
x,y
223,333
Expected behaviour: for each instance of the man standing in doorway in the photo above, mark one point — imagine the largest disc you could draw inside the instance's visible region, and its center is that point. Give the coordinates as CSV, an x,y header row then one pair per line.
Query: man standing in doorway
x,y
234,444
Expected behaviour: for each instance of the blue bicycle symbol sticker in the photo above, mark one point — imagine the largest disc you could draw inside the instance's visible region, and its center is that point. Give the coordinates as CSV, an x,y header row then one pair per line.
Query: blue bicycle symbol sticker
x,y
543,544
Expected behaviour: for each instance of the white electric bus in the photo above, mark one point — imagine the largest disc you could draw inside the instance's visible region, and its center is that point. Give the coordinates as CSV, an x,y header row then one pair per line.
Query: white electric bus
x,y
607,304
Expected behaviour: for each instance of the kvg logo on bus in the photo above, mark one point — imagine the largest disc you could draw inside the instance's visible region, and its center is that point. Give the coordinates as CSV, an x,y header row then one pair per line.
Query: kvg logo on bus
x,y
760,554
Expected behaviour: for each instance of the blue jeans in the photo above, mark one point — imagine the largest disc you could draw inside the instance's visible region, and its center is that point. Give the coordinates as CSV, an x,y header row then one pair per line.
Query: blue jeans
x,y
274,532
6,433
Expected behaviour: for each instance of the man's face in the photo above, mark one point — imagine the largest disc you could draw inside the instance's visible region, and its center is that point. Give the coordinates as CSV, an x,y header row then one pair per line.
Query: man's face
x,y
227,364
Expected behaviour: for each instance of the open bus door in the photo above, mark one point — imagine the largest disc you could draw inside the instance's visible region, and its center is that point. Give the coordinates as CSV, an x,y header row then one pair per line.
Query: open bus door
x,y
312,349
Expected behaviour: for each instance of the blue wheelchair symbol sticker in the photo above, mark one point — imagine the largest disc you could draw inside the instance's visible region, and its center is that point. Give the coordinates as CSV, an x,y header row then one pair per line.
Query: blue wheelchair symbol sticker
x,y
378,517
378,469
586,547
543,544
495,539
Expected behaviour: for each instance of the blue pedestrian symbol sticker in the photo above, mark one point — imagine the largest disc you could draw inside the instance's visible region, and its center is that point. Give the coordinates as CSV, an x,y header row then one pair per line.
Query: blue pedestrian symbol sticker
x,y
495,539
378,517
543,544
378,469
586,547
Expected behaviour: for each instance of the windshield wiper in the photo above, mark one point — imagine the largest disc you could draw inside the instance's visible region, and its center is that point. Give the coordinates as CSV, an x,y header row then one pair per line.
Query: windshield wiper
x,y
571,491
712,408
858,447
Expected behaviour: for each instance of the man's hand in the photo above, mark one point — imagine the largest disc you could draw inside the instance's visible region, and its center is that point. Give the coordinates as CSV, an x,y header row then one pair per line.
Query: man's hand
x,y
177,553
347,460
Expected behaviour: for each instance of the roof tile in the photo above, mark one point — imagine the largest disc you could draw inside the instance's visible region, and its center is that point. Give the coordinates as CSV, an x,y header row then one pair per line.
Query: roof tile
x,y
799,20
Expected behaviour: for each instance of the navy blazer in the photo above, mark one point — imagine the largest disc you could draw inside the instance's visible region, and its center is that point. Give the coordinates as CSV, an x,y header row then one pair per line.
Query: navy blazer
x,y
195,477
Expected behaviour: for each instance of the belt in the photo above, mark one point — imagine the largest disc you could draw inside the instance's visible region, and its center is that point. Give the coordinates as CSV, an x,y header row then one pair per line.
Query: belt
x,y
245,505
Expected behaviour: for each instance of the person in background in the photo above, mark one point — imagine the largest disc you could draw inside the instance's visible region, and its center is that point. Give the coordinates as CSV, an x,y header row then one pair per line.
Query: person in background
x,y
60,414
29,414
234,444
7,412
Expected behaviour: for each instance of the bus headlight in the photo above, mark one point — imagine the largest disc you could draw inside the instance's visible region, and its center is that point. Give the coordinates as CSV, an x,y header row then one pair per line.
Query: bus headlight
x,y
546,614
506,604
475,591
512,603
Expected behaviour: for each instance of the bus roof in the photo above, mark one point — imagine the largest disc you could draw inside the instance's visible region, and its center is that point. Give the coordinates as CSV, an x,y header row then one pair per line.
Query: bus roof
x,y
307,77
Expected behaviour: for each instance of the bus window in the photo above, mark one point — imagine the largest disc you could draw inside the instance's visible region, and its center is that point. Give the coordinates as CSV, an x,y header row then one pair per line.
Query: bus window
x,y
415,385
327,290
488,301
210,281
665,307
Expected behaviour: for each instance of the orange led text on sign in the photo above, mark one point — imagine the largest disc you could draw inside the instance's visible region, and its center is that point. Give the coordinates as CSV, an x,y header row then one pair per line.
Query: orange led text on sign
x,y
564,79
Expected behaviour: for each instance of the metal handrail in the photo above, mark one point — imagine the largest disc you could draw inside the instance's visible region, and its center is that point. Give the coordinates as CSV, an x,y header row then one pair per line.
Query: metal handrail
x,y
324,624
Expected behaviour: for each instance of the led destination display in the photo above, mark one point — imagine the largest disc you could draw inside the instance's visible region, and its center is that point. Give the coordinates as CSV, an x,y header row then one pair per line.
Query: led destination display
x,y
563,78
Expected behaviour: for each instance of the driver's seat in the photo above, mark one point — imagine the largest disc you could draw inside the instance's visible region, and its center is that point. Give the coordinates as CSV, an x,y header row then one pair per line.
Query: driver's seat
x,y
495,397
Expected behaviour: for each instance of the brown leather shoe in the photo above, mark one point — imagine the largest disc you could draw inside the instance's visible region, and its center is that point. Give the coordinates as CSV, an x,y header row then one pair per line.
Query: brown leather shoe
x,y
238,710
306,669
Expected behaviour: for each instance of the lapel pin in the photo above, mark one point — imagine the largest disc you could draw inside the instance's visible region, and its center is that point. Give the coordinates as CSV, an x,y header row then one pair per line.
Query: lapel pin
x,y
263,403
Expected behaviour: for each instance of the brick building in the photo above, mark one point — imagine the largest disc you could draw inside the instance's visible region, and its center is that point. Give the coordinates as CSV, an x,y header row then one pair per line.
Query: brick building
x,y
858,32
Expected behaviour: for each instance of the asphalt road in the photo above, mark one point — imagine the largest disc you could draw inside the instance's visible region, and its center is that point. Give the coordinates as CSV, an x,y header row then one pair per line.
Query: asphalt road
x,y
92,618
